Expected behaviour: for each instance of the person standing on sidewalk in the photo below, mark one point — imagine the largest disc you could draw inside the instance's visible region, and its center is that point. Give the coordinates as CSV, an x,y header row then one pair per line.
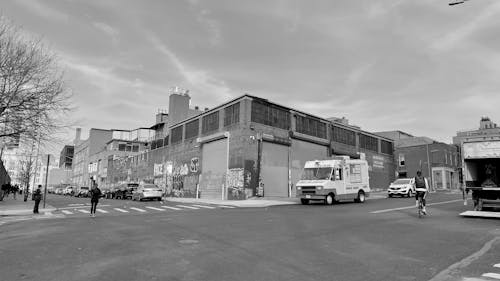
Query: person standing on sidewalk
x,y
95,194
37,196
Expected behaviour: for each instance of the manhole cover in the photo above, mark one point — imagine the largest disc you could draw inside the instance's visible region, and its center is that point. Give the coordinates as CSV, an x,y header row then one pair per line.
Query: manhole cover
x,y
188,241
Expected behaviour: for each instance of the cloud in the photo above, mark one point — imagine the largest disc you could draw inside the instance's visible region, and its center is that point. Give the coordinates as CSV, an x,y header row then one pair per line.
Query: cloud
x,y
458,37
41,8
197,80
106,28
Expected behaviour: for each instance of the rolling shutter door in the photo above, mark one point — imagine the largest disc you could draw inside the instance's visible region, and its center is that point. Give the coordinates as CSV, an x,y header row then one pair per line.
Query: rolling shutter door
x,y
274,169
214,168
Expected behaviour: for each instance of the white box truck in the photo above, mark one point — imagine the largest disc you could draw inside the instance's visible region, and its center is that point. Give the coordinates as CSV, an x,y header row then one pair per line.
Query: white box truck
x,y
336,179
481,172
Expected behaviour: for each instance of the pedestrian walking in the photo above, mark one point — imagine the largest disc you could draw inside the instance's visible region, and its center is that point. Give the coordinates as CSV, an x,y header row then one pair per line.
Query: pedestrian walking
x,y
37,196
3,190
95,194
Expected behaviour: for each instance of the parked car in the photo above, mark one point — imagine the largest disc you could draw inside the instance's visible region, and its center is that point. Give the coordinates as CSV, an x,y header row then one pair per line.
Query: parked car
x,y
69,191
147,191
59,190
83,191
402,187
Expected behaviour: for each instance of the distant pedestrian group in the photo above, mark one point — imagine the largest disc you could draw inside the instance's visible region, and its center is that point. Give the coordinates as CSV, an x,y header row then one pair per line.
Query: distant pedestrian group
x,y
8,189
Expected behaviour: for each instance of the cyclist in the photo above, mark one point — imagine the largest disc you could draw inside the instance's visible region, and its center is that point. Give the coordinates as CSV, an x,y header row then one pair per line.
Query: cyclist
x,y
421,188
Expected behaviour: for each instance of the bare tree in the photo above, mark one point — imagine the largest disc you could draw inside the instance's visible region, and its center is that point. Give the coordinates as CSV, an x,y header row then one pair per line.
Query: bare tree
x,y
33,97
27,171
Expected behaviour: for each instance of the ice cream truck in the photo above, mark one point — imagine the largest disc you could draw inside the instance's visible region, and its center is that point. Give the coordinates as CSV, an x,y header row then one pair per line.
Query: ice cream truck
x,y
332,180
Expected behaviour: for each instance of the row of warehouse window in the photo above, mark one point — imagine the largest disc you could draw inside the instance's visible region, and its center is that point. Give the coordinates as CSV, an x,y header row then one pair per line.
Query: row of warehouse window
x,y
275,116
209,123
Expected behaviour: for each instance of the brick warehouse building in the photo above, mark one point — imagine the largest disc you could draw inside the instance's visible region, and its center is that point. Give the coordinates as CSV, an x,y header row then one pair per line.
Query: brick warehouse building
x,y
250,147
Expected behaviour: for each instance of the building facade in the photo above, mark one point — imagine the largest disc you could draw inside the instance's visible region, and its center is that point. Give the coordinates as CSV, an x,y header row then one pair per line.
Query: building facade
x,y
66,157
439,162
250,147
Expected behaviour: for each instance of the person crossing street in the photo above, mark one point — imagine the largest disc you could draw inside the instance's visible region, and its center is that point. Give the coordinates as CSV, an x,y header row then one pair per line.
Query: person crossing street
x,y
95,194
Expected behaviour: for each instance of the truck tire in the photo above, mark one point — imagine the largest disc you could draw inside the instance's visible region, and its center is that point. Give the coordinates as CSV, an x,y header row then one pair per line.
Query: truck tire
x,y
361,197
304,201
330,199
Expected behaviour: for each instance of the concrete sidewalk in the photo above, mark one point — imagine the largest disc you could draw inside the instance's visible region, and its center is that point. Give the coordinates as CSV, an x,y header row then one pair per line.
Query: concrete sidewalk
x,y
255,202
11,207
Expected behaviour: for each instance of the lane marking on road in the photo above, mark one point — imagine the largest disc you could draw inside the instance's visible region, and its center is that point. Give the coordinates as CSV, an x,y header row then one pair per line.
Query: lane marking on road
x,y
137,209
120,210
206,207
449,273
491,275
497,265
84,211
224,206
171,208
67,212
413,206
76,207
102,211
76,204
154,208
187,207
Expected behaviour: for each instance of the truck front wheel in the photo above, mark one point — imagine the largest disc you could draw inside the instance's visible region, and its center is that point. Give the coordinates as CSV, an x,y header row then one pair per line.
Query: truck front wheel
x,y
304,201
329,199
361,197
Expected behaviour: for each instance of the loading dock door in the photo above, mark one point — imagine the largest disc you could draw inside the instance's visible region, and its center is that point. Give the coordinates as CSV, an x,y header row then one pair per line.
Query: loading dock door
x,y
303,151
214,168
274,169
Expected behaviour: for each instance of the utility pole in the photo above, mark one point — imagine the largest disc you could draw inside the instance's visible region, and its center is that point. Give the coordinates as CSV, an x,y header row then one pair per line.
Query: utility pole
x,y
46,180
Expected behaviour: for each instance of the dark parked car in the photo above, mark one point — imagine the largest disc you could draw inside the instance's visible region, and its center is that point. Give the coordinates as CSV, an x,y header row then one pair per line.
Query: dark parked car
x,y
82,192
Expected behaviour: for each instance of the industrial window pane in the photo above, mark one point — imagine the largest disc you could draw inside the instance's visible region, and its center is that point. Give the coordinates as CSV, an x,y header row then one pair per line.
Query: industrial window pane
x,y
367,142
210,123
192,129
270,115
344,136
177,134
232,114
311,126
386,147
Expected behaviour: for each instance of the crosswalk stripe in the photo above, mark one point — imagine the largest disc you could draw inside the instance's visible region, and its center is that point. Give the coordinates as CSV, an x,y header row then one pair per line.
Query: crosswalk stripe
x,y
224,206
171,208
187,207
102,211
67,212
84,211
497,265
120,210
154,208
206,207
137,209
492,275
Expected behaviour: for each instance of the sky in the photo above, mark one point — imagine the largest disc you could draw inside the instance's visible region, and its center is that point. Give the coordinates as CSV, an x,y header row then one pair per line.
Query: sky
x,y
422,67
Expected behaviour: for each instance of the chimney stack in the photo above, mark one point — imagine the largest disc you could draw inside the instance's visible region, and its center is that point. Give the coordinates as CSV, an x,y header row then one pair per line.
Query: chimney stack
x,y
78,135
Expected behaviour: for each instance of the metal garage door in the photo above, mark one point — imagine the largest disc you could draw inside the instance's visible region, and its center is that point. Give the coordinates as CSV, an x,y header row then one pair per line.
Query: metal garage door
x,y
274,169
214,168
303,151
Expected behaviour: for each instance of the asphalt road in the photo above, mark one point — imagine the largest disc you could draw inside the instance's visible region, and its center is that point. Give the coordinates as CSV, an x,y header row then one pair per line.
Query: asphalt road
x,y
378,240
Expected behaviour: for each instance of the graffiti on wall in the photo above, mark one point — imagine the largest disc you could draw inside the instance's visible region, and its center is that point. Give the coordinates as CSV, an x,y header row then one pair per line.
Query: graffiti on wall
x,y
235,183
183,179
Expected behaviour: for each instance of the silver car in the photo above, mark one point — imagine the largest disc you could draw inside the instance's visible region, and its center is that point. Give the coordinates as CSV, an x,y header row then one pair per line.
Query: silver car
x,y
147,191
402,187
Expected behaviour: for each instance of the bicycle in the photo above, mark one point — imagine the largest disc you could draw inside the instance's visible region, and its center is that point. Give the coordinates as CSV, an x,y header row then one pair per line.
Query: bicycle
x,y
420,207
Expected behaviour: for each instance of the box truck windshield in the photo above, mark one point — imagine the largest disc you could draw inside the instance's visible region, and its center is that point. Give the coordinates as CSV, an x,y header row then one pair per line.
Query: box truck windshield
x,y
322,173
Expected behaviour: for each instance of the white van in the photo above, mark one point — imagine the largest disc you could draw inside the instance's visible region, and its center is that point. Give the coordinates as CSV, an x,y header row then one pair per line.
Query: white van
x,y
340,178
